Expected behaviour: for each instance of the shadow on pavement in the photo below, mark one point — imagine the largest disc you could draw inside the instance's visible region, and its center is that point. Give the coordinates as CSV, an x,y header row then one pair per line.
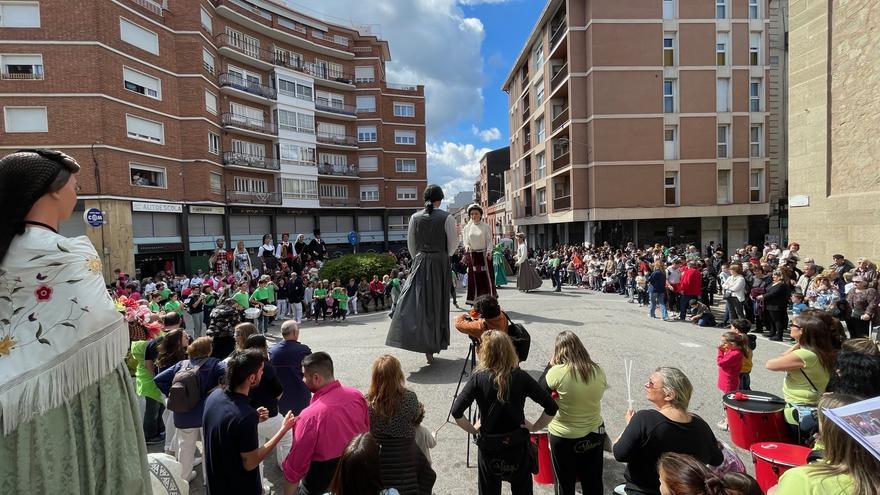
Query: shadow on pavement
x,y
531,318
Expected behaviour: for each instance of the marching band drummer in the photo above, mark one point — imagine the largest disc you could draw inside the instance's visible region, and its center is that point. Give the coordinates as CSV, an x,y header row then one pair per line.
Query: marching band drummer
x,y
262,296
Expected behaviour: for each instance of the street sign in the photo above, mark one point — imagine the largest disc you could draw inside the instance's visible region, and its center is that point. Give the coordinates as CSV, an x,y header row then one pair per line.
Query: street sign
x,y
670,231
94,217
353,238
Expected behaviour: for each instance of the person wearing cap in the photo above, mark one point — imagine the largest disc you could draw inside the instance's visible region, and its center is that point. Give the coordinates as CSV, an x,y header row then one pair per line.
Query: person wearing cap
x,y
421,317
317,248
66,396
477,240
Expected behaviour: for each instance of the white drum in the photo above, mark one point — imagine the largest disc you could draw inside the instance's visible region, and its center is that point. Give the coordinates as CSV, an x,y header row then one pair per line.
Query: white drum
x,y
252,313
270,310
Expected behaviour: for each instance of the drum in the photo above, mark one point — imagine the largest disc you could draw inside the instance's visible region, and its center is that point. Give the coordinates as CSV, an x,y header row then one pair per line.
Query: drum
x,y
545,463
270,310
252,313
771,459
753,421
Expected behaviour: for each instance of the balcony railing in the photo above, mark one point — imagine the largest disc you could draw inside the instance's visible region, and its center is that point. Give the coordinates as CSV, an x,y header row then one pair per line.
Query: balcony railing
x,y
237,82
350,170
560,119
528,210
525,81
402,87
244,122
338,202
561,161
557,35
253,161
151,6
557,78
527,177
562,203
337,39
325,105
250,49
339,139
527,144
254,198
324,72
34,76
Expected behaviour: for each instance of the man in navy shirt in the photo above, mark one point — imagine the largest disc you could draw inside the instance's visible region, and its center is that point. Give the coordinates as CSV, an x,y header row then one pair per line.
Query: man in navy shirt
x,y
232,450
286,357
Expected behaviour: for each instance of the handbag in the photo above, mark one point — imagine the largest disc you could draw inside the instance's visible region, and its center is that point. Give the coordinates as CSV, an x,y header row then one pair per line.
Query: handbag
x,y
807,415
497,444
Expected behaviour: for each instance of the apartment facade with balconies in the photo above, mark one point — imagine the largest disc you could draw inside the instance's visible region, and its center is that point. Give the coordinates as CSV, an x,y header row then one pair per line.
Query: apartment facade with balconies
x,y
198,120
642,122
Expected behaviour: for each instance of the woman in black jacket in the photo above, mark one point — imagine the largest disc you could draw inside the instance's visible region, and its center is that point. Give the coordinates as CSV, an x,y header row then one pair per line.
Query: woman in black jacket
x,y
776,305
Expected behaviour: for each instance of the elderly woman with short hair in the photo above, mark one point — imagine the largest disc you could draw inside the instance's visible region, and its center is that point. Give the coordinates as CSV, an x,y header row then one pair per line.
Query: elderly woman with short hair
x,y
862,301
669,428
868,271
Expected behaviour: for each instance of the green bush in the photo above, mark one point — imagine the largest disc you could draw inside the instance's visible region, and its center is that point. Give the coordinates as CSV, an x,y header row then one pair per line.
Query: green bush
x,y
357,266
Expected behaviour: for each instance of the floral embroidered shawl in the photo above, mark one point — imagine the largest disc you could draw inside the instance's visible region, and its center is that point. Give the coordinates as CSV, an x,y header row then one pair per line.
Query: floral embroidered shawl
x,y
59,330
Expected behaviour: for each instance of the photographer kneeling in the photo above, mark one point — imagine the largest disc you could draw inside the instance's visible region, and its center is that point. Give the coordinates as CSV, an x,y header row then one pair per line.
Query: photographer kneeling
x,y
500,388
486,315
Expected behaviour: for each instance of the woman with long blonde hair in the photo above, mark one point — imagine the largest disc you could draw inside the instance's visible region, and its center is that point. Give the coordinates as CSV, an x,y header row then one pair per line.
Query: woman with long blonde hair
x,y
500,389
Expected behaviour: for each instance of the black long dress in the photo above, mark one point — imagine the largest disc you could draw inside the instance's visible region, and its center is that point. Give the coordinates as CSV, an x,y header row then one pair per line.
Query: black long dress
x,y
421,317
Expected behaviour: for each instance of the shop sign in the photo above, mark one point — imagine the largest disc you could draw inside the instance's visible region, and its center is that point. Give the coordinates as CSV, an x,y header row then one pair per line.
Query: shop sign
x,y
156,207
294,212
159,248
246,210
207,210
94,217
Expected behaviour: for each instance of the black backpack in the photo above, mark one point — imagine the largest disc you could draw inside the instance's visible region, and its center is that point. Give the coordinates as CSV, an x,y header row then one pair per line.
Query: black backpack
x,y
186,388
522,341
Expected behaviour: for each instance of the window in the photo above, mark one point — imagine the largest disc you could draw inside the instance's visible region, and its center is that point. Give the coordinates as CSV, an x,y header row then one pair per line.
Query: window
x,y
670,151
405,137
144,84
288,58
248,184
369,163
21,66
723,139
540,166
19,14
143,129
333,159
723,187
370,193
542,200
669,9
538,56
331,130
405,165
335,191
406,193
670,189
722,95
368,134
249,149
247,44
295,89
366,103
211,102
207,21
215,182
754,9
668,96
25,119
142,38
755,141
369,223
721,50
208,60
539,94
404,109
213,143
756,186
669,50
398,223
721,9
243,77
146,176
299,189
296,154
539,129
364,74
295,122
755,49
755,95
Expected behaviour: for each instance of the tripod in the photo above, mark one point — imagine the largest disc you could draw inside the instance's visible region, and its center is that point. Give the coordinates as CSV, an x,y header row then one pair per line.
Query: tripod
x,y
469,360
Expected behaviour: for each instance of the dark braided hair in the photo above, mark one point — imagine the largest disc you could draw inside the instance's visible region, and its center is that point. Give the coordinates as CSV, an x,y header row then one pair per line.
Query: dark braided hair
x,y
432,193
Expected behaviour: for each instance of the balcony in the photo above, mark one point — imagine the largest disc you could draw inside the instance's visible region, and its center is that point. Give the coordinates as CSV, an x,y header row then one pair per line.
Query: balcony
x,y
558,33
402,87
247,123
336,39
325,105
153,7
560,119
350,170
525,80
528,210
562,203
561,161
236,82
557,78
32,76
253,198
336,139
246,52
250,161
338,202
328,74
527,144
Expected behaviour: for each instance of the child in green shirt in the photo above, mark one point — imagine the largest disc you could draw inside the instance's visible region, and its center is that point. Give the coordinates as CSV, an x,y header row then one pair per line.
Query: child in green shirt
x,y
174,305
341,298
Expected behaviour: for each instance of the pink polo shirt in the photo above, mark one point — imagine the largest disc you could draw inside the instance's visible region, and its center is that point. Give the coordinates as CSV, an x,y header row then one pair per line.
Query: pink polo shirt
x,y
335,415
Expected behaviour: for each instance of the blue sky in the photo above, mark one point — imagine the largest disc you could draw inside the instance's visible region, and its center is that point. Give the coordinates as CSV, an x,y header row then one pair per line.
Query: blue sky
x,y
461,50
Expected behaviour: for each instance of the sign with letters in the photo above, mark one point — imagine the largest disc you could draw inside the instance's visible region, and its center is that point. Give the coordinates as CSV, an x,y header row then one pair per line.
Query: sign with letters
x,y
156,207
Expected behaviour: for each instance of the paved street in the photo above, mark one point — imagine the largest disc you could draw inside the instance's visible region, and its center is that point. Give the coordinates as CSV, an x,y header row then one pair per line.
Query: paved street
x,y
612,330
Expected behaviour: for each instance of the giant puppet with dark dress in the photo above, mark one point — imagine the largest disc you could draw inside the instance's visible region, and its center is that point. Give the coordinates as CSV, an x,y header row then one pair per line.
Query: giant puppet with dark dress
x,y
67,403
421,316
477,240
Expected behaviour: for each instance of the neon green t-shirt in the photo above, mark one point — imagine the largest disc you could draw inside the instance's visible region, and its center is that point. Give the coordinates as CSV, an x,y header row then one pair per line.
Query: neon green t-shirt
x,y
580,404
174,307
165,293
796,389
154,307
806,480
271,290
261,294
341,296
319,293
242,299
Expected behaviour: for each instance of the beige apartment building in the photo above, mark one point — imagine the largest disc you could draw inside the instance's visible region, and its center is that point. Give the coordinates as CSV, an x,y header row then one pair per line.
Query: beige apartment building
x,y
203,119
644,121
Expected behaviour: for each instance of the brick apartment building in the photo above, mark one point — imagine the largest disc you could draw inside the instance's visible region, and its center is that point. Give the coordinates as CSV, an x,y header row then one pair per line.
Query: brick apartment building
x,y
489,189
646,121
203,119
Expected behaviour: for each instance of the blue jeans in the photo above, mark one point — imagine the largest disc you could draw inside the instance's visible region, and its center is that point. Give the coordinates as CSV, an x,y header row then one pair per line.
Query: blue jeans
x,y
263,324
657,298
683,305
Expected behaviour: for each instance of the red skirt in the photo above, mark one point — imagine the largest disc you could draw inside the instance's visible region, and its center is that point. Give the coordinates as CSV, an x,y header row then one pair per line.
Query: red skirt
x,y
480,276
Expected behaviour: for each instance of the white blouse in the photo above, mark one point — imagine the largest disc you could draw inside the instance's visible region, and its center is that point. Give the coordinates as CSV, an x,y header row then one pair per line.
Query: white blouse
x,y
522,252
476,237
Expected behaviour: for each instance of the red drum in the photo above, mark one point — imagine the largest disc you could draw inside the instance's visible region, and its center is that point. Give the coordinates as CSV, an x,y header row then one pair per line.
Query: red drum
x,y
753,421
772,459
545,464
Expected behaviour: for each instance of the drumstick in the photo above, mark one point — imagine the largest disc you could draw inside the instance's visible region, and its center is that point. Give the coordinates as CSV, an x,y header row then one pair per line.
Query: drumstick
x,y
627,365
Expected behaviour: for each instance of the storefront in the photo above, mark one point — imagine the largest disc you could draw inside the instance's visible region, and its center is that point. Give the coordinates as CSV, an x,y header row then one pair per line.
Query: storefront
x,y
249,225
205,225
157,230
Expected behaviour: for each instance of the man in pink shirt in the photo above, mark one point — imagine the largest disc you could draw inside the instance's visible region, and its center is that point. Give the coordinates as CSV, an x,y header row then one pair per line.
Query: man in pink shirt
x,y
335,415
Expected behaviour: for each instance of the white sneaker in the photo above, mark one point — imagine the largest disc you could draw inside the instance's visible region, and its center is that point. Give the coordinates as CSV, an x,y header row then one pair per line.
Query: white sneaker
x,y
192,476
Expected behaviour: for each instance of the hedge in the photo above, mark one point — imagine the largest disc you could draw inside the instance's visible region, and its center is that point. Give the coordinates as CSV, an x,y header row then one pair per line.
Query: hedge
x,y
357,266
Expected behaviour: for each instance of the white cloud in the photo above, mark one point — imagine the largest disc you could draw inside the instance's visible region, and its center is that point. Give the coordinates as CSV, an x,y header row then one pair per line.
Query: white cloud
x,y
454,166
491,134
479,2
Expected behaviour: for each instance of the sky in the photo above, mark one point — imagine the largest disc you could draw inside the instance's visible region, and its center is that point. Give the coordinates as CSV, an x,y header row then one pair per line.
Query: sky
x,y
461,50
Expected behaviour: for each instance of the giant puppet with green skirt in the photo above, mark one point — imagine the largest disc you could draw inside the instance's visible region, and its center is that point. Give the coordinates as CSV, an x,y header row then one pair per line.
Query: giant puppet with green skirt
x,y
498,263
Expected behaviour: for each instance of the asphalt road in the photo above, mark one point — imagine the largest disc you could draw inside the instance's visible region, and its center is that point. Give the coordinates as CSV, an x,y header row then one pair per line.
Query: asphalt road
x,y
612,330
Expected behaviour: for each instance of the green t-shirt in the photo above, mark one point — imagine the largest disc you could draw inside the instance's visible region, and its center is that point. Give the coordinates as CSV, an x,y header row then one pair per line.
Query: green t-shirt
x,y
144,384
319,293
341,296
242,299
580,404
261,294
806,480
554,262
154,307
174,307
271,290
796,389
210,300
165,293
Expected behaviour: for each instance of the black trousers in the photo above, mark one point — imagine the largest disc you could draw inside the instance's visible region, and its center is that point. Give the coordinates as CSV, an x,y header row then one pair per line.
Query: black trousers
x,y
578,459
317,480
153,424
494,469
778,322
